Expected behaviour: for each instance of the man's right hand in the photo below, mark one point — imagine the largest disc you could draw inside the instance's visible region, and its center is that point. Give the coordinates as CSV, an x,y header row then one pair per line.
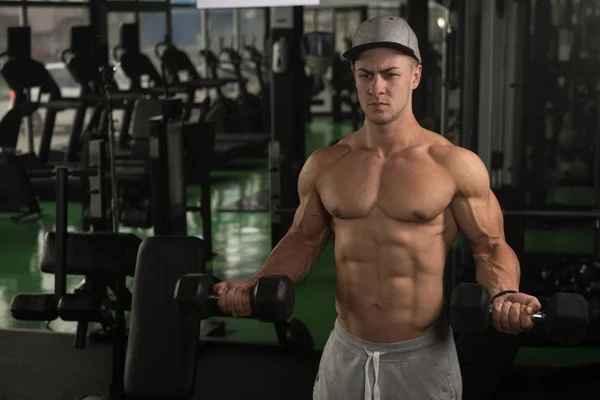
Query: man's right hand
x,y
234,297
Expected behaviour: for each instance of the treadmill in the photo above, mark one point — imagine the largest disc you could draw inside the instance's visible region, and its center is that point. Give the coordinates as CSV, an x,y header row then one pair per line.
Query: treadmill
x,y
228,146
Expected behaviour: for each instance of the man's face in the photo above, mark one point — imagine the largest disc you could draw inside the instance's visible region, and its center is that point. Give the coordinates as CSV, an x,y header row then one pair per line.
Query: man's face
x,y
385,79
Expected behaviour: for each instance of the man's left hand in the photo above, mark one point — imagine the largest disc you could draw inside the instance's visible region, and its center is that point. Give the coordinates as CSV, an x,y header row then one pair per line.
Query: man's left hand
x,y
512,313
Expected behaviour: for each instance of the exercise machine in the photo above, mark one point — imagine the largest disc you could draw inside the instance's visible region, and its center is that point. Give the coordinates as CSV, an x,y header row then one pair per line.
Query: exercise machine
x,y
289,113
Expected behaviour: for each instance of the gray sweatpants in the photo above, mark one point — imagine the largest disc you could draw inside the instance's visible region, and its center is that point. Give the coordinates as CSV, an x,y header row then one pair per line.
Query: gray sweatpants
x,y
420,369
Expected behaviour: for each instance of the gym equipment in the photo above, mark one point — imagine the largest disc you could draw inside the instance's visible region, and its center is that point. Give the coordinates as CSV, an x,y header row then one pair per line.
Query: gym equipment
x,y
135,64
344,92
231,141
135,183
173,63
289,117
271,300
104,259
223,110
83,61
248,106
294,336
164,357
167,184
182,154
145,79
162,351
565,321
86,68
16,192
575,274
10,124
34,307
253,55
179,71
178,154
319,54
22,74
18,47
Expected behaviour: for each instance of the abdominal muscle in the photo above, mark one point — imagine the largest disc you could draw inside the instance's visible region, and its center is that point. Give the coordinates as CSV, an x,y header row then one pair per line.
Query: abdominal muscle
x,y
389,281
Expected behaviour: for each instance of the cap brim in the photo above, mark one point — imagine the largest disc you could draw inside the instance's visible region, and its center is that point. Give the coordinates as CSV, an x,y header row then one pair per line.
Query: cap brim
x,y
353,53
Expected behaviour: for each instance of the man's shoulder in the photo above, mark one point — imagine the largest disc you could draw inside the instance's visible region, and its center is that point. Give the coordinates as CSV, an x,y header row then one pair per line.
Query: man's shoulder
x,y
466,169
321,160
452,156
464,166
325,156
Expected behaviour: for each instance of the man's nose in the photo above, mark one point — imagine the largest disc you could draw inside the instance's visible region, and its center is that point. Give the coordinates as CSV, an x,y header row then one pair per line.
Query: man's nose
x,y
377,85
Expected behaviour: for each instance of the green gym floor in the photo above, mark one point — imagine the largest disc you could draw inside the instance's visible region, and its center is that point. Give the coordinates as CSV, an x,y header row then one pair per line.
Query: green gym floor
x,y
242,242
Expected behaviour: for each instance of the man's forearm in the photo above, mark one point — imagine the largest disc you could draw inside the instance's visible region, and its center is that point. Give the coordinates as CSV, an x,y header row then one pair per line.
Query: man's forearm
x,y
498,269
293,256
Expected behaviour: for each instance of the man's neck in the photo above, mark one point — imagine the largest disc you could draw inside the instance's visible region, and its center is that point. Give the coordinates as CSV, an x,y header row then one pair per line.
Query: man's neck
x,y
393,136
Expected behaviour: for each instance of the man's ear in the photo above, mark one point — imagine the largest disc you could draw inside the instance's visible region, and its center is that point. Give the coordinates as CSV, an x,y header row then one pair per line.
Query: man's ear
x,y
416,76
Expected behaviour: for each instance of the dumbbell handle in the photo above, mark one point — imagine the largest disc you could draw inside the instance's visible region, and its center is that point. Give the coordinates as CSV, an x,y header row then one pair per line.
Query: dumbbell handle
x,y
214,301
536,317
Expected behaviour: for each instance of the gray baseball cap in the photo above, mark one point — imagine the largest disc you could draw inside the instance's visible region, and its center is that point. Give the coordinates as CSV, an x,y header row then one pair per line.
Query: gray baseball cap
x,y
384,31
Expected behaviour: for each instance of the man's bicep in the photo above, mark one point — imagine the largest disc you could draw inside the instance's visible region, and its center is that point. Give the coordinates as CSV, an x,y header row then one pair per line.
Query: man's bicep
x,y
475,207
311,218
480,218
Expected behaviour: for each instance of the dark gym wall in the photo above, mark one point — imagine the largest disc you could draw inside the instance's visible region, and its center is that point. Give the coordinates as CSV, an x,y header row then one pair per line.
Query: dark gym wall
x,y
417,14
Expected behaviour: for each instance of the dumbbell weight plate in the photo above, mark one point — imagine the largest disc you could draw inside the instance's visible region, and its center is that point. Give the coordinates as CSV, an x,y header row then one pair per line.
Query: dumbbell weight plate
x,y
192,295
567,318
273,298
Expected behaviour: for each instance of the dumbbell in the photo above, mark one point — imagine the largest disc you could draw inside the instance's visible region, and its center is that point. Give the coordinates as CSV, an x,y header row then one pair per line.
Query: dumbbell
x,y
34,307
565,320
271,300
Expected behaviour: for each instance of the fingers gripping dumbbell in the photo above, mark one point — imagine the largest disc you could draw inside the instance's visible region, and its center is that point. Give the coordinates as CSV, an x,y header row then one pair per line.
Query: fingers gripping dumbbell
x,y
565,320
271,300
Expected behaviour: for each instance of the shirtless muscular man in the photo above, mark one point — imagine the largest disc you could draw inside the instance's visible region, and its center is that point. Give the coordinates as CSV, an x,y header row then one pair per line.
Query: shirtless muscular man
x,y
394,195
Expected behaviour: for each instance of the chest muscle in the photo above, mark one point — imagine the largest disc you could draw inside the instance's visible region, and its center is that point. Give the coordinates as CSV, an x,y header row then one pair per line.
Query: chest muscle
x,y
402,189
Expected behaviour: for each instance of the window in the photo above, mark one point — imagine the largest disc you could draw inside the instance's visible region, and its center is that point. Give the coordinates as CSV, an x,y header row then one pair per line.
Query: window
x,y
252,27
51,30
252,33
346,23
9,16
324,20
220,30
187,32
153,29
115,20
309,19
68,1
384,10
